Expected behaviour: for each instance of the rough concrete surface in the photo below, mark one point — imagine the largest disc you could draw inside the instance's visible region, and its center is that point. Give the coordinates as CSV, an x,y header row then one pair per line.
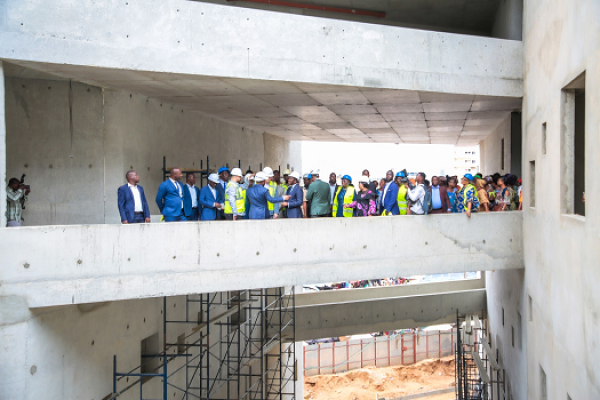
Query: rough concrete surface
x,y
116,262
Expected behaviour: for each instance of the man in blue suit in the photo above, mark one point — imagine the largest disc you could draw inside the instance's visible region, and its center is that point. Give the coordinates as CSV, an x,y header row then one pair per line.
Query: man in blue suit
x,y
169,198
133,206
389,193
296,196
210,199
260,197
191,195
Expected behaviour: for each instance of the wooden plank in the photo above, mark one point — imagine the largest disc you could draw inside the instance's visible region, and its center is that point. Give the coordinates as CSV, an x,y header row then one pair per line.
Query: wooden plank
x,y
482,371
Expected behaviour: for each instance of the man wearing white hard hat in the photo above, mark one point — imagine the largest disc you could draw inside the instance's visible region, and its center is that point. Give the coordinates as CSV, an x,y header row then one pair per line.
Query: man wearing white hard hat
x,y
211,199
273,188
260,198
296,194
235,197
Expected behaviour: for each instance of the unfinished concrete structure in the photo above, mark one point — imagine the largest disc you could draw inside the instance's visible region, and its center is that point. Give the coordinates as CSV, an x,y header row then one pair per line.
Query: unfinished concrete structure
x,y
90,90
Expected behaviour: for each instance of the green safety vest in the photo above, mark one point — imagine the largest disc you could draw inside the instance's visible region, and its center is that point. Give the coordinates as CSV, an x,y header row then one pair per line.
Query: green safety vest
x,y
402,202
240,199
348,198
273,192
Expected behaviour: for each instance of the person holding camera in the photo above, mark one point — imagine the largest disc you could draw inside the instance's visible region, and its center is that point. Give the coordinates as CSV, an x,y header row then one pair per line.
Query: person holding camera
x,y
16,196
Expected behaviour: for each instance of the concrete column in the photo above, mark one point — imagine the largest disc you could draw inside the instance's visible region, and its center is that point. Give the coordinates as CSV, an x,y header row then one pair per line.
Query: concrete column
x,y
2,151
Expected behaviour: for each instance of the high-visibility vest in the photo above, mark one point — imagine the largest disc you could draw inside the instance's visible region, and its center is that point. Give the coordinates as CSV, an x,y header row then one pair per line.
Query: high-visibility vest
x,y
348,198
402,202
273,192
240,199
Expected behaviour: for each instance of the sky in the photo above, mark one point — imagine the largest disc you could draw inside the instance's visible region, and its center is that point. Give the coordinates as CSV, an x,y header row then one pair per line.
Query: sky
x,y
352,158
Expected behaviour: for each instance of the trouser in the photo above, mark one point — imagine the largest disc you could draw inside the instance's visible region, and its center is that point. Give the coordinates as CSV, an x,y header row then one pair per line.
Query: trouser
x,y
320,216
138,218
194,216
13,224
437,211
179,218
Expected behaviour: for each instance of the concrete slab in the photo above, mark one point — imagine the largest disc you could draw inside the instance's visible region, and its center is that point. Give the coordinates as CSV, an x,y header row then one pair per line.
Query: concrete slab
x,y
116,262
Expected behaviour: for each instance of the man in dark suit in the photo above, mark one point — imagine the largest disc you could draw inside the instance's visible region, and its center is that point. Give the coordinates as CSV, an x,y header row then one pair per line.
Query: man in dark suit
x,y
296,199
389,193
191,196
260,198
211,199
169,198
133,206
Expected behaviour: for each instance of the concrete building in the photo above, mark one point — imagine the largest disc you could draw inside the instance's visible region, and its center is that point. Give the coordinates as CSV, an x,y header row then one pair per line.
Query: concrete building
x,y
466,160
93,309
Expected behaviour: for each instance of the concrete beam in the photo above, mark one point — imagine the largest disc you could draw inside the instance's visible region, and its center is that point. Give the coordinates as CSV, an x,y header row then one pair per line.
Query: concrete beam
x,y
207,39
333,320
374,293
56,265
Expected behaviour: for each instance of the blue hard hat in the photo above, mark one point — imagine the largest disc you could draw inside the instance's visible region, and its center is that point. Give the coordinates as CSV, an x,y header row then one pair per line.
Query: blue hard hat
x,y
223,169
347,177
309,176
469,177
401,174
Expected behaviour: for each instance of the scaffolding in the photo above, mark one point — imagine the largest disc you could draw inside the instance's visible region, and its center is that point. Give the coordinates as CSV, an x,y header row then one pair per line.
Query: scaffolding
x,y
227,345
479,375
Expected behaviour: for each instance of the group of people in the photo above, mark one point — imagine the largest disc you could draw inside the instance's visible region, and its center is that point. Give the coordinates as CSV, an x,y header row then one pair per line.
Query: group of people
x,y
267,194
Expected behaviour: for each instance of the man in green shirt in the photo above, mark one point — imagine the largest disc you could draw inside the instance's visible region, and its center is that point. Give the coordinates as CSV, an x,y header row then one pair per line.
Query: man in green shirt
x,y
319,196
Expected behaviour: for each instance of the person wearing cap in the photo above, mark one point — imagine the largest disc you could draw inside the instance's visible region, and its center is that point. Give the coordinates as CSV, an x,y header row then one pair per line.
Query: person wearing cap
x,y
273,189
191,194
286,174
235,197
466,199
210,199
260,198
169,198
224,175
401,181
345,199
247,183
389,196
296,200
306,178
366,205
319,196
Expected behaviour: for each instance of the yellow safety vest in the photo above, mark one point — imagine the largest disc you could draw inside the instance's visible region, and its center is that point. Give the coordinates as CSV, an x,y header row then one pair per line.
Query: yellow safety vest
x,y
348,198
273,192
402,203
240,199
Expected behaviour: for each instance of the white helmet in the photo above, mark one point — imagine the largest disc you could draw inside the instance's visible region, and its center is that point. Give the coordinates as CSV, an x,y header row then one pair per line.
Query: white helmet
x,y
236,172
268,172
260,177
315,172
213,178
364,179
248,177
295,175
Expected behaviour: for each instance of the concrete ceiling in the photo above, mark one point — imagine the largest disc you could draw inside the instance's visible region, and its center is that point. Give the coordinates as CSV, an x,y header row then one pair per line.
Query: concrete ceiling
x,y
303,111
459,16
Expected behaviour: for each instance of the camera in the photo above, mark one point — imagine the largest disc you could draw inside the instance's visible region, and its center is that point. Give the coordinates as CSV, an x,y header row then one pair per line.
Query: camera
x,y
22,182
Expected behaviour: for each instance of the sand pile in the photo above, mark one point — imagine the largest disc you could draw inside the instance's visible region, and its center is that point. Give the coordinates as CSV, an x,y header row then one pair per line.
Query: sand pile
x,y
390,382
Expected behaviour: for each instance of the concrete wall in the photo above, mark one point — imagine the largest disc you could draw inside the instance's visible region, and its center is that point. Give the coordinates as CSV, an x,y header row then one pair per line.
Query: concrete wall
x,y
74,177
509,20
507,327
208,39
113,262
561,250
491,149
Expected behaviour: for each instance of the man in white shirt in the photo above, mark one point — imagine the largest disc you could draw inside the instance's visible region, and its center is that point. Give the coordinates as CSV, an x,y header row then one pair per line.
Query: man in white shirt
x,y
191,194
132,203
416,194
